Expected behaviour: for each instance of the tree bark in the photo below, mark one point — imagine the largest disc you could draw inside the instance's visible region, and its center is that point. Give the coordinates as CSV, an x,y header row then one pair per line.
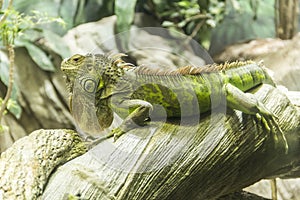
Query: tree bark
x,y
222,154
286,18
26,166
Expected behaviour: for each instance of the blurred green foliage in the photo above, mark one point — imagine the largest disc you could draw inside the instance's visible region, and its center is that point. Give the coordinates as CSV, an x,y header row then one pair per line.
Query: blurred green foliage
x,y
13,28
195,18
213,23
73,12
12,105
30,20
243,21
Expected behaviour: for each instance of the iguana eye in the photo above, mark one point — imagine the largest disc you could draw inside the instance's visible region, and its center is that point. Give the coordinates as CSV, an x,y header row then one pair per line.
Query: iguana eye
x,y
89,85
76,59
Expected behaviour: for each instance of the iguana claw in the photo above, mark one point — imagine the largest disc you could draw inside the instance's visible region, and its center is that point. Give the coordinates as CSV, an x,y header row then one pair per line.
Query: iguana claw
x,y
249,104
269,122
116,133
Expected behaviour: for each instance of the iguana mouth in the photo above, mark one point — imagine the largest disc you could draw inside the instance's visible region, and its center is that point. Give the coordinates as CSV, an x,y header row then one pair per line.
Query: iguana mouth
x,y
65,66
68,68
72,63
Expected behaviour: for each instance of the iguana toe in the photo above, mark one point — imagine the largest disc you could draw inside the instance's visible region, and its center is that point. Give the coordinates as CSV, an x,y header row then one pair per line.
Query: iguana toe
x,y
269,123
117,132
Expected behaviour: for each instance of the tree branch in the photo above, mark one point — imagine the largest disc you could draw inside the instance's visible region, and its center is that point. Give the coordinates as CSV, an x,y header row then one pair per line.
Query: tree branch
x,y
11,55
4,16
221,154
27,165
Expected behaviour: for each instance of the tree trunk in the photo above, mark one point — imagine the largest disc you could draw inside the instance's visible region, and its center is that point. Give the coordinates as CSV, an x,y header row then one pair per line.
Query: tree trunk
x,y
222,154
286,18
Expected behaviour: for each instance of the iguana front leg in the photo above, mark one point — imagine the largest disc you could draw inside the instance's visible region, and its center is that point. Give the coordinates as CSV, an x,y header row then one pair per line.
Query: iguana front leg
x,y
249,104
137,117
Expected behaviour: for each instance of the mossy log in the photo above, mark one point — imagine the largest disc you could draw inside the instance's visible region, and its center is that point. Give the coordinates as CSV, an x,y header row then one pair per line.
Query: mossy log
x,y
212,159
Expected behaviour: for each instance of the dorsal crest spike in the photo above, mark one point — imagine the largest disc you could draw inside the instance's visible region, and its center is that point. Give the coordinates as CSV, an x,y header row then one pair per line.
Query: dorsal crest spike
x,y
192,70
117,56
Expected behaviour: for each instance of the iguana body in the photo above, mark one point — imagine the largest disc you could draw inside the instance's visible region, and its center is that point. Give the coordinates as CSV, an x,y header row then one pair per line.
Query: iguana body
x,y
132,91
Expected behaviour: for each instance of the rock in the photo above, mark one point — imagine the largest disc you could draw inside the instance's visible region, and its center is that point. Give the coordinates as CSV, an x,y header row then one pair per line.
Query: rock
x,y
281,56
153,46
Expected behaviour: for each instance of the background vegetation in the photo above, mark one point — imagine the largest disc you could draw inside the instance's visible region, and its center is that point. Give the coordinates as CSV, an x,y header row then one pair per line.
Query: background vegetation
x,y
39,25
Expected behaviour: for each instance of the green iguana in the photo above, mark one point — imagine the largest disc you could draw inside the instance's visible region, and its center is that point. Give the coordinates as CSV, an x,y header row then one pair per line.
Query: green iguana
x,y
131,91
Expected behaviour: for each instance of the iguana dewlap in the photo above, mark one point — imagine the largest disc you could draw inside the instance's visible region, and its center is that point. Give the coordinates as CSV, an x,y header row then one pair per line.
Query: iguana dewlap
x,y
115,86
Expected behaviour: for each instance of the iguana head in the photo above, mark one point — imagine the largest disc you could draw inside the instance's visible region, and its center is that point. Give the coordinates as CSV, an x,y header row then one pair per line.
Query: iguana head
x,y
94,72
91,80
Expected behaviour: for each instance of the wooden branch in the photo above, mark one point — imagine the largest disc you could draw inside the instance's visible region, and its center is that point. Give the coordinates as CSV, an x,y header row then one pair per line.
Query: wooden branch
x,y
11,56
27,165
286,18
241,195
4,16
222,154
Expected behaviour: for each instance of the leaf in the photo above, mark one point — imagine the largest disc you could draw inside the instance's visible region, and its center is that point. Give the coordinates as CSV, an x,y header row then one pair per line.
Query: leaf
x,y
56,43
4,73
161,5
236,27
192,11
125,14
3,129
80,17
97,9
13,105
68,11
211,23
14,108
4,66
39,56
184,4
181,24
51,9
167,24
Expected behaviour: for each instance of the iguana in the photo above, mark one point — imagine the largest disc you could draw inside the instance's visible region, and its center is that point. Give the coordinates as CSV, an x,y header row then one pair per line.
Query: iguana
x,y
131,91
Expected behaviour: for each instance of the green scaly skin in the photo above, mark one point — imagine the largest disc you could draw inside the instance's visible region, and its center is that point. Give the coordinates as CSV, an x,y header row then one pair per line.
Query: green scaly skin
x,y
131,92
